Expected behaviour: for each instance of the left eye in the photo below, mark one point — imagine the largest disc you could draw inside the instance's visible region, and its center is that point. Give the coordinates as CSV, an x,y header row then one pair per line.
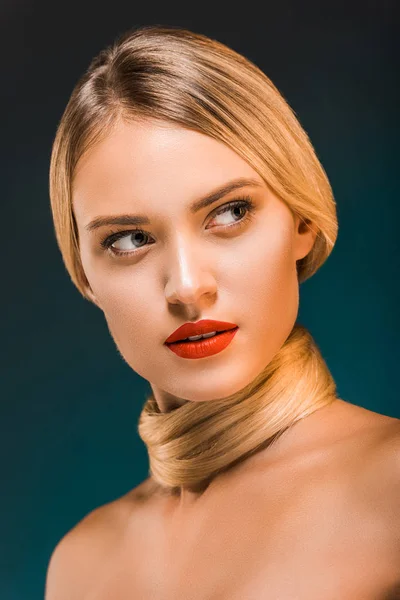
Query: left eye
x,y
238,207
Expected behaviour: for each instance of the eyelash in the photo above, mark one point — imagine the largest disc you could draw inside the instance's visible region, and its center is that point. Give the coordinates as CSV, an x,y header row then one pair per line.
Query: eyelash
x,y
244,202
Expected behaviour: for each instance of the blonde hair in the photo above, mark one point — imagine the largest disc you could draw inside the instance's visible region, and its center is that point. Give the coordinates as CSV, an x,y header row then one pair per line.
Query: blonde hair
x,y
175,75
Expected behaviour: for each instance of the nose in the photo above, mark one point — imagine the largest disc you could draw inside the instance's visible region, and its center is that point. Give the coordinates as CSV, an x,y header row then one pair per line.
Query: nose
x,y
190,275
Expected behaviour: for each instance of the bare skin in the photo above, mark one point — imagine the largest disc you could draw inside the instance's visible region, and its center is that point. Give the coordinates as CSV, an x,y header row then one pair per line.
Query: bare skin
x,y
314,516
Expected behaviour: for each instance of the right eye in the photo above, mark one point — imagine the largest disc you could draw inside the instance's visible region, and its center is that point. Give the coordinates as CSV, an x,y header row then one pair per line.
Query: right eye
x,y
127,235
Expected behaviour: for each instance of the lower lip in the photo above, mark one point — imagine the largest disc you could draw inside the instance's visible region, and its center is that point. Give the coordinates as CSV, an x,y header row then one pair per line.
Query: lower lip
x,y
205,347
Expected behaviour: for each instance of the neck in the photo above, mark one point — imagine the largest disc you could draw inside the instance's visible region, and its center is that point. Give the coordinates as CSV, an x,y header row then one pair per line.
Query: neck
x,y
193,443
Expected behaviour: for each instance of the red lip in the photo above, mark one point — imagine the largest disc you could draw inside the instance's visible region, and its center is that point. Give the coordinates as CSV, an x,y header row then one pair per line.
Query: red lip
x,y
199,328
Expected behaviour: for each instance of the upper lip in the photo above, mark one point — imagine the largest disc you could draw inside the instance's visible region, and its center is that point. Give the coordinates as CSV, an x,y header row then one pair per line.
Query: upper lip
x,y
199,328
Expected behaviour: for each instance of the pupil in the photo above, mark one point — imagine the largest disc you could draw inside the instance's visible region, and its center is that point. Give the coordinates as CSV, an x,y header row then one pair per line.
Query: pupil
x,y
139,234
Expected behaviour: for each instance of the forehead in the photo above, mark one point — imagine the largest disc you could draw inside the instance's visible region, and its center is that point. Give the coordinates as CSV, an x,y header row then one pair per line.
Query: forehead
x,y
149,163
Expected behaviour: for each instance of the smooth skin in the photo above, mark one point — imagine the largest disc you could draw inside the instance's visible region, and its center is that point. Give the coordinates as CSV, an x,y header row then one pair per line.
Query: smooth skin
x,y
314,516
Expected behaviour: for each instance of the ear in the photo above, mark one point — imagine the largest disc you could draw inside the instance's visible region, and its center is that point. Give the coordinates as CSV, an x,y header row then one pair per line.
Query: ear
x,y
304,236
92,297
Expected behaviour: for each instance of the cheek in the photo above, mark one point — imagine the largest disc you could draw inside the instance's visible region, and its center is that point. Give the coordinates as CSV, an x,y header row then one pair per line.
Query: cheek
x,y
267,300
264,279
129,302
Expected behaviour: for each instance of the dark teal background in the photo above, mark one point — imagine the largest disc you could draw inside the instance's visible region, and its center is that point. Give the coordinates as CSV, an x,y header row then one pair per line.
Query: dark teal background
x,y
69,404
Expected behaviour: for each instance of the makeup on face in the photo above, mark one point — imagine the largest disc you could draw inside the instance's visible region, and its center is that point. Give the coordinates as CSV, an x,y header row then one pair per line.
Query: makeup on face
x,y
216,245
202,339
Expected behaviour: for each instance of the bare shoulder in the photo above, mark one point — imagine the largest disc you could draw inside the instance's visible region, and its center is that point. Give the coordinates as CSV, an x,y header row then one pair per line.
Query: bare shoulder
x,y
386,448
88,546
382,450
387,454
380,432
383,473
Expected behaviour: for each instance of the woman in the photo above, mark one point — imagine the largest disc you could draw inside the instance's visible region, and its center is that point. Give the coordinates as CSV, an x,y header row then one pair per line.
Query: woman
x,y
188,201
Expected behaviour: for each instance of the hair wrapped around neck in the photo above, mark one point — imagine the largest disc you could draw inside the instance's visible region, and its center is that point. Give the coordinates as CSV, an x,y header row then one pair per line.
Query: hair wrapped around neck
x,y
193,443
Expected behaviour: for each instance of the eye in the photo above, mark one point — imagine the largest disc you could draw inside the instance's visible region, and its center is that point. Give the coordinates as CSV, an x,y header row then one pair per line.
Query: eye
x,y
124,238
243,205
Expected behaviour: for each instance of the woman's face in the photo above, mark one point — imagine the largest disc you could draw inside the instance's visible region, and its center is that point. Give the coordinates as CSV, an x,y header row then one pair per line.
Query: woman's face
x,y
237,266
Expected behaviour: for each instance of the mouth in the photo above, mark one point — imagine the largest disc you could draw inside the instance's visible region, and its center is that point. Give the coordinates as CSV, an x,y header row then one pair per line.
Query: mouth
x,y
204,329
204,346
199,338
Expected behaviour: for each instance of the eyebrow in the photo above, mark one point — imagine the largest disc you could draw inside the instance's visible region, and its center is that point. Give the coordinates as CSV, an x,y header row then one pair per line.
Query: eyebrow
x,y
207,200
